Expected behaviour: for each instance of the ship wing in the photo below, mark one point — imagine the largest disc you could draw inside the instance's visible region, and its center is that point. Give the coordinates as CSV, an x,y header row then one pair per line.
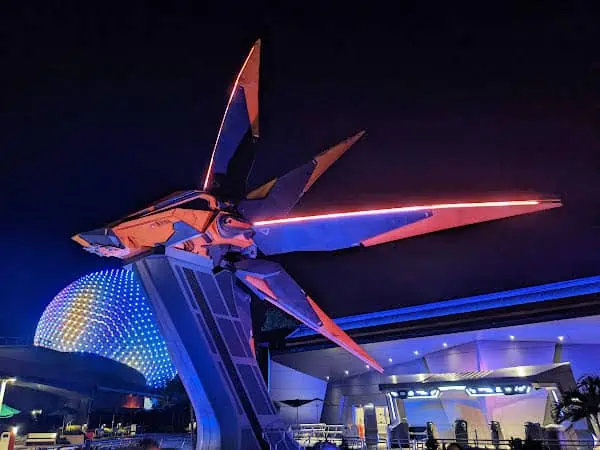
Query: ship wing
x,y
272,283
233,152
334,231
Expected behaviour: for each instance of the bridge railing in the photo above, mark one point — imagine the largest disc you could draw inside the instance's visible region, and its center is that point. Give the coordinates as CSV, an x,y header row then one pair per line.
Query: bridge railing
x,y
165,441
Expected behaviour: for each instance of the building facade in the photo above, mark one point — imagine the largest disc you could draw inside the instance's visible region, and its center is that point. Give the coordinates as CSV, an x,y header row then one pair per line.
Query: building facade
x,y
503,357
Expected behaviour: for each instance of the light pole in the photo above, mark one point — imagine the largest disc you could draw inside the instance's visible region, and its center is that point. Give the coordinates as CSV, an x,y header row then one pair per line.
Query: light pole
x,y
3,383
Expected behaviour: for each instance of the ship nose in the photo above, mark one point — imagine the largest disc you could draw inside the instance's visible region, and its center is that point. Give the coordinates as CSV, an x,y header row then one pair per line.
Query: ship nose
x,y
103,237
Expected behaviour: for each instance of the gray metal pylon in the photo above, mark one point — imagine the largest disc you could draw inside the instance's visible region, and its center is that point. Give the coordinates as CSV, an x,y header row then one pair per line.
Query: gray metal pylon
x,y
205,319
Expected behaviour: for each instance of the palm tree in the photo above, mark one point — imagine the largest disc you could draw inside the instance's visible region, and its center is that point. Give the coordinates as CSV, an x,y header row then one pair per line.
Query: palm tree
x,y
581,403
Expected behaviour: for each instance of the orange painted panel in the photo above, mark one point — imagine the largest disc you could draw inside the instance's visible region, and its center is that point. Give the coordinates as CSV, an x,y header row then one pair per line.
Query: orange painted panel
x,y
443,219
328,327
261,285
157,228
248,79
331,331
325,159
261,191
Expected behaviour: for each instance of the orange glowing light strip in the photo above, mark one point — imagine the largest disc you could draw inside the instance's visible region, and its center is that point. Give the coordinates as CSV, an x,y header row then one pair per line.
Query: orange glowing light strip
x,y
374,212
235,85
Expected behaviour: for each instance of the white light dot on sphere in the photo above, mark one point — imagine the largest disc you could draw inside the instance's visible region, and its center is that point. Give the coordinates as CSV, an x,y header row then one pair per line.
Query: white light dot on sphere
x,y
84,316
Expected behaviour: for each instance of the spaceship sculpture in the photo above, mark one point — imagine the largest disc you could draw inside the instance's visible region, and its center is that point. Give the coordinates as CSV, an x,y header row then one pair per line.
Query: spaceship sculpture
x,y
199,252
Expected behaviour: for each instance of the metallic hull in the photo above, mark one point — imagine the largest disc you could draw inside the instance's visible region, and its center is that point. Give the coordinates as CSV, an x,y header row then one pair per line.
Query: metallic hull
x,y
205,320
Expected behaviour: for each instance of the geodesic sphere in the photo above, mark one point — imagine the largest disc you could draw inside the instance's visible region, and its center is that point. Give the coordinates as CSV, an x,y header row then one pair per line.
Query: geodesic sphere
x,y
106,313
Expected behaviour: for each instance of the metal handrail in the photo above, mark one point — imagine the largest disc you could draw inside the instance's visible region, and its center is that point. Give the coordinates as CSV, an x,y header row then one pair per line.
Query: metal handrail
x,y
181,441
313,433
501,444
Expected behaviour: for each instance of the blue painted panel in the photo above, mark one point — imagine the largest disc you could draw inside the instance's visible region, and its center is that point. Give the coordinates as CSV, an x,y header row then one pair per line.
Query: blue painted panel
x,y
289,294
176,197
196,363
330,233
282,197
181,232
235,126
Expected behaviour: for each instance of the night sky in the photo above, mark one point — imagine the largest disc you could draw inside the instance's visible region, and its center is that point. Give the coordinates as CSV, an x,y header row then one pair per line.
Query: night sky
x,y
106,107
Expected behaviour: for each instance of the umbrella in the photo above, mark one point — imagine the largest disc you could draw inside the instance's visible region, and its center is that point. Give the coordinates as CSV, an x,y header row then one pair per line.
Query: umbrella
x,y
297,403
6,412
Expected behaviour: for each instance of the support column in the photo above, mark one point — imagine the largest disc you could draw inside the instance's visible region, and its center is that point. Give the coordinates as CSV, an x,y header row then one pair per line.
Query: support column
x,y
205,320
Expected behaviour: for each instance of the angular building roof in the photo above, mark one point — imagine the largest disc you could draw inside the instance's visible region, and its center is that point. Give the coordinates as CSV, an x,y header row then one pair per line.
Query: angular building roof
x,y
533,297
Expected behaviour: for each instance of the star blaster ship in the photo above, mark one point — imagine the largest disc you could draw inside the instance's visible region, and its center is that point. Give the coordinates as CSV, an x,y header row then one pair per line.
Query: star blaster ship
x,y
231,227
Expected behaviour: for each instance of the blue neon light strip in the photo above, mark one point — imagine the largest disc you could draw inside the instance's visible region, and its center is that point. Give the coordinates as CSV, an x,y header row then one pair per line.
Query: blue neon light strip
x,y
524,296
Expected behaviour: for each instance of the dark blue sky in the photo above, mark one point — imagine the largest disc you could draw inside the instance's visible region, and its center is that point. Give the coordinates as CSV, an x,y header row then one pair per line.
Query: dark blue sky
x,y
106,107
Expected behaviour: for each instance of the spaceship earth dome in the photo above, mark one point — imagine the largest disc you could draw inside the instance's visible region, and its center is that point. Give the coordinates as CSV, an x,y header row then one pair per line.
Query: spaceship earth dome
x,y
106,313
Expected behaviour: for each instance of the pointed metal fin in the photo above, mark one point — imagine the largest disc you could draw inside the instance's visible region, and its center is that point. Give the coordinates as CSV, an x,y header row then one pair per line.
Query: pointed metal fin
x,y
271,282
325,232
325,160
277,197
241,116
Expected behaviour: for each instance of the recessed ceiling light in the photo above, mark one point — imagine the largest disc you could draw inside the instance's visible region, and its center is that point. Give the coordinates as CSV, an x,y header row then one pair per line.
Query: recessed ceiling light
x,y
327,377
367,366
445,344
512,338
416,352
346,372
390,359
561,338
